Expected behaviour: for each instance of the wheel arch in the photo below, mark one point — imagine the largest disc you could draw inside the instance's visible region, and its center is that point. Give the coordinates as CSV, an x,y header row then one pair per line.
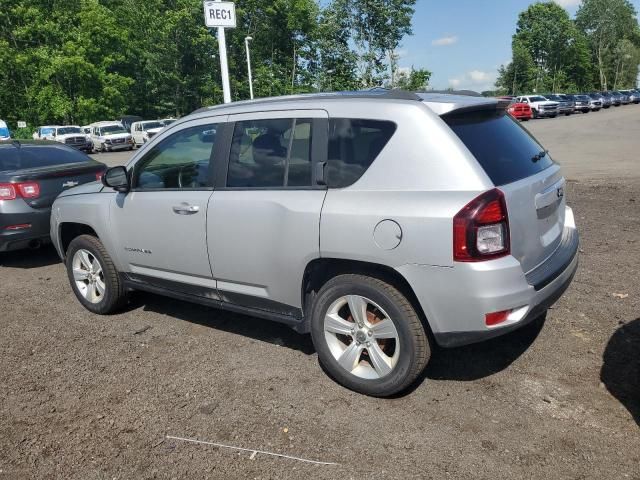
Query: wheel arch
x,y
70,230
320,270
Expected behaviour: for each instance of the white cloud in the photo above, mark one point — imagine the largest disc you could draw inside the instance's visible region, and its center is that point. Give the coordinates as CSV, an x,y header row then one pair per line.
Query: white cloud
x,y
478,76
444,41
477,80
568,3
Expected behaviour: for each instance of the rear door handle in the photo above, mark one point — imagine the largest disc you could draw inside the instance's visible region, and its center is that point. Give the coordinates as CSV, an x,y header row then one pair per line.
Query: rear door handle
x,y
186,209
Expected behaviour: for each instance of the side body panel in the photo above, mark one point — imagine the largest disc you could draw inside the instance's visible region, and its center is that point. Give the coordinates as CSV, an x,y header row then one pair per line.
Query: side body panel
x,y
261,239
421,179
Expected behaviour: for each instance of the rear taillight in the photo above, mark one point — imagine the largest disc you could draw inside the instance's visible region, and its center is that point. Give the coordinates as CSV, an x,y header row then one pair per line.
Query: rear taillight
x,y
481,229
7,191
99,176
29,190
11,191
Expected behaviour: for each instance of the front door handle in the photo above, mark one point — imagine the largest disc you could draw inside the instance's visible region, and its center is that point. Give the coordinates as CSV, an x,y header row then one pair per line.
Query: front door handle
x,y
186,209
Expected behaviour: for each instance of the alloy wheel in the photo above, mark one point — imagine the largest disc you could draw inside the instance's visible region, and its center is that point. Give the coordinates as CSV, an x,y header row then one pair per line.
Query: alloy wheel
x,y
88,276
361,337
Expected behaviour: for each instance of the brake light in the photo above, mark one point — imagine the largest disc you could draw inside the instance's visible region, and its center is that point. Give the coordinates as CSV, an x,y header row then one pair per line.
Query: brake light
x,y
11,191
7,191
99,176
481,229
29,190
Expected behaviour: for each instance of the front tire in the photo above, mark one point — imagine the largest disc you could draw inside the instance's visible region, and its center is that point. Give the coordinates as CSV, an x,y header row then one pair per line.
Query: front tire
x,y
93,276
368,336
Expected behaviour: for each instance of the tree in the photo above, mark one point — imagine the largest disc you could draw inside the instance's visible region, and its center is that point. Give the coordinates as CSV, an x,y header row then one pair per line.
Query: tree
x,y
550,53
518,76
606,23
79,61
377,29
413,80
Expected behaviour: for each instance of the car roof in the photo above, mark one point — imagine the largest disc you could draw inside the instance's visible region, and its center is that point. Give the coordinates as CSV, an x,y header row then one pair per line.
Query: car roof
x,y
31,143
439,102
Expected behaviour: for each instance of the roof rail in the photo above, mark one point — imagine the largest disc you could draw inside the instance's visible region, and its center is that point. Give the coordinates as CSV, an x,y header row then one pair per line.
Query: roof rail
x,y
373,93
466,93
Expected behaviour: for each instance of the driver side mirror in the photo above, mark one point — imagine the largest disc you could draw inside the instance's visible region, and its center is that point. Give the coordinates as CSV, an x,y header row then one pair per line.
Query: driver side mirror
x,y
117,178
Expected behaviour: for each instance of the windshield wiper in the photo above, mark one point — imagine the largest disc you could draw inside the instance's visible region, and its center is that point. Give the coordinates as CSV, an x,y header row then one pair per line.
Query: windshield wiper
x,y
539,156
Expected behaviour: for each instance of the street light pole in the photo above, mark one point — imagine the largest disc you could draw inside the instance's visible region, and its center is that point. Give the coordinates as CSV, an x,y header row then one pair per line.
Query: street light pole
x,y
246,46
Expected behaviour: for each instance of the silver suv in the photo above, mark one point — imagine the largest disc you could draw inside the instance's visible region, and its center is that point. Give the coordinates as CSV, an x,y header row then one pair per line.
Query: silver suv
x,y
381,223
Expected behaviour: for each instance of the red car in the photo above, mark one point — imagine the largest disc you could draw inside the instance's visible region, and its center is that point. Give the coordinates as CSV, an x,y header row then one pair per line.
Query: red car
x,y
519,111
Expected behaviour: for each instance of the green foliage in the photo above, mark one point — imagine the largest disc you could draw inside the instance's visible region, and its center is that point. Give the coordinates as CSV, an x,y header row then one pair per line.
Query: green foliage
x,y
78,61
551,52
413,80
607,24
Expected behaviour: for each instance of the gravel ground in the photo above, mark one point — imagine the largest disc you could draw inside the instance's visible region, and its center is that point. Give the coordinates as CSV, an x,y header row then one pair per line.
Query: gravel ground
x,y
88,397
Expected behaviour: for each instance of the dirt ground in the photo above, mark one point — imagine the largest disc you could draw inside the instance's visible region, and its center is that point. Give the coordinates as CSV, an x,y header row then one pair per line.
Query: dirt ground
x,y
88,397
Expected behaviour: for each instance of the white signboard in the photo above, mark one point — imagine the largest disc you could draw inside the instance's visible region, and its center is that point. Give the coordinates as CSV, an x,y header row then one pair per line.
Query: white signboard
x,y
22,124
220,14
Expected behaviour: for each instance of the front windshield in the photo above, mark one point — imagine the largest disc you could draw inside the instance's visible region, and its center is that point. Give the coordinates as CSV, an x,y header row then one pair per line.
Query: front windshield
x,y
537,99
168,121
4,132
68,130
150,125
112,129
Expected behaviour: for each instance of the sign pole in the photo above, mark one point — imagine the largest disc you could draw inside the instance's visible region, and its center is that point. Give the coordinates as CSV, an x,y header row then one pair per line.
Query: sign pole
x,y
224,67
221,15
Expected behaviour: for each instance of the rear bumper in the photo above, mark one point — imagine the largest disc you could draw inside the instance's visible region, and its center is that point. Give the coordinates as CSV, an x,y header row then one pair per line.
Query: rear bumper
x,y
456,299
37,232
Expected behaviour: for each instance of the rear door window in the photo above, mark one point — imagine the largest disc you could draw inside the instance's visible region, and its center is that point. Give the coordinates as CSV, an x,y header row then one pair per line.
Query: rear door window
x,y
272,153
353,146
504,149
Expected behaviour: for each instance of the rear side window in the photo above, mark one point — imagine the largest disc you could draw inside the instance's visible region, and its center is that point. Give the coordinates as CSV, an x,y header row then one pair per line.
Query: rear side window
x,y
35,156
353,146
271,153
504,149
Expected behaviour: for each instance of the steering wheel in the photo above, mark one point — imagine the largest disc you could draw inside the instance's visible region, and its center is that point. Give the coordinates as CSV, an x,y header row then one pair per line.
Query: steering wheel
x,y
188,176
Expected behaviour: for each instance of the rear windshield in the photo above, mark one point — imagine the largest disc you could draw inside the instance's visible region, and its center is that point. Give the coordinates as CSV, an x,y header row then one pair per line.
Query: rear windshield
x,y
35,156
504,149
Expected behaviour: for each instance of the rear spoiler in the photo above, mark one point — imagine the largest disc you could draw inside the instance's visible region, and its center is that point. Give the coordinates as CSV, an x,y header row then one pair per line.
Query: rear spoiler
x,y
499,107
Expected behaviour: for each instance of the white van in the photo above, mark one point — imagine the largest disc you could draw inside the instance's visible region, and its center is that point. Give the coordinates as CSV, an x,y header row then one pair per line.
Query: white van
x,y
5,134
110,136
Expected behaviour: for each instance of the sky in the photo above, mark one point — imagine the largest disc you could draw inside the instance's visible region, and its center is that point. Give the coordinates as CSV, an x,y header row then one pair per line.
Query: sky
x,y
463,42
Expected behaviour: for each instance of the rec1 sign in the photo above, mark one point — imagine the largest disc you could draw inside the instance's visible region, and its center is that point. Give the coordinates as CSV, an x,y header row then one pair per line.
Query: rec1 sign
x,y
221,15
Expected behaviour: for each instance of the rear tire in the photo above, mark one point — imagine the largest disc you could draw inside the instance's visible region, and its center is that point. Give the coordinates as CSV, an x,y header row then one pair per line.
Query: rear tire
x,y
380,351
93,276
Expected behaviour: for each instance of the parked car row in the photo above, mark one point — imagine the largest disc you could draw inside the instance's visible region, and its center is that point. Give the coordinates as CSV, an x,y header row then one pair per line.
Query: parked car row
x,y
107,136
526,107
